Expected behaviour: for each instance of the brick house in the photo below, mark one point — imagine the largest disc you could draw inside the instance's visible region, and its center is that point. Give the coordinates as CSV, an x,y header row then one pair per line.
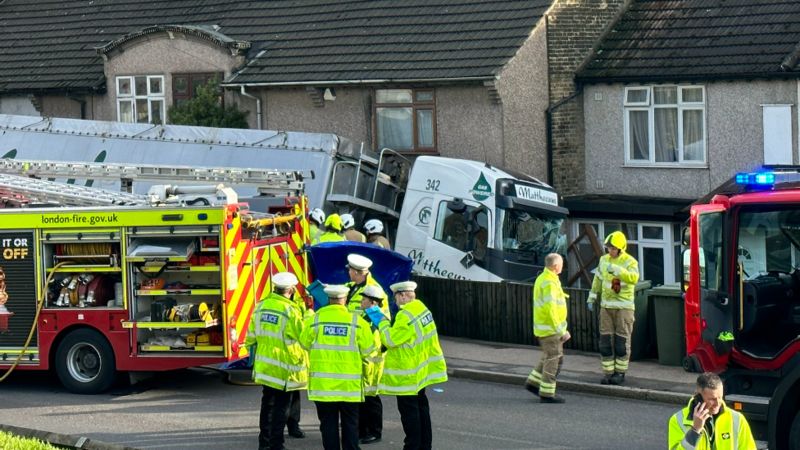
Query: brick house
x,y
677,98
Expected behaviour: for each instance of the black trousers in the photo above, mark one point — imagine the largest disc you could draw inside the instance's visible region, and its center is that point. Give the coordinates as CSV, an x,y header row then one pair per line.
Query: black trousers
x,y
415,415
274,404
329,414
294,411
370,417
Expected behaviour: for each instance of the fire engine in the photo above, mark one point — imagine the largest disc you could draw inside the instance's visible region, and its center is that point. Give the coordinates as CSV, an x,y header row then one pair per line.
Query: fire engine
x,y
742,298
94,283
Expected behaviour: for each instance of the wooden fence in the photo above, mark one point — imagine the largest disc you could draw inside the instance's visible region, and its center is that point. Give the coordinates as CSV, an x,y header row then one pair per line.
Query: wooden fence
x,y
500,312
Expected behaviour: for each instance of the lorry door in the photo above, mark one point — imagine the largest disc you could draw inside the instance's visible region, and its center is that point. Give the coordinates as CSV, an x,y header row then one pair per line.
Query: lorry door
x,y
709,323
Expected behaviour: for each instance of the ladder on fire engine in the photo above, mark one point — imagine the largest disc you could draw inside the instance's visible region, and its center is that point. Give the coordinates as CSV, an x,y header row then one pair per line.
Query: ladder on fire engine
x,y
16,181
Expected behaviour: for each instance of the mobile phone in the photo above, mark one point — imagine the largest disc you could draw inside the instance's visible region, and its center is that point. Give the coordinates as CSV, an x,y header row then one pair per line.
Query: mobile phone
x,y
697,399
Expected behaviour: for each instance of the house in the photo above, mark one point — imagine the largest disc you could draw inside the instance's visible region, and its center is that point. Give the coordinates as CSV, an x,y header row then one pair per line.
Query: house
x,y
470,78
677,97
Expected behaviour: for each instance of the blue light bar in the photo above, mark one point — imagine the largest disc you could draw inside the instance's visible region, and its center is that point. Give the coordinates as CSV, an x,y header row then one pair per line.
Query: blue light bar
x,y
765,179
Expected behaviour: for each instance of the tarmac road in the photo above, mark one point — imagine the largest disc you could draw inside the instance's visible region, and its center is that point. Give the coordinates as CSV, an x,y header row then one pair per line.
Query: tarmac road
x,y
195,409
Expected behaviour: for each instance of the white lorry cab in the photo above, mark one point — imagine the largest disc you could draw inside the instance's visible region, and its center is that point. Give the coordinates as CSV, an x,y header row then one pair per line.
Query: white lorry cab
x,y
468,220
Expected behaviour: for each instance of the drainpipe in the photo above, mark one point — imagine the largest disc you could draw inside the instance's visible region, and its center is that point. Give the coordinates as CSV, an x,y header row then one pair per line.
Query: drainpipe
x,y
549,125
258,105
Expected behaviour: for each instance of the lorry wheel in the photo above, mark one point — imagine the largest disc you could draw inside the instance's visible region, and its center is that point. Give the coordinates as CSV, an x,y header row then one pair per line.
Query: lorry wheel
x,y
85,362
690,364
794,433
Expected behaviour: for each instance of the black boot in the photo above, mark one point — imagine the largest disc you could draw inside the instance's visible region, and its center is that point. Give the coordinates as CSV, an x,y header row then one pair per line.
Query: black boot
x,y
617,379
533,389
606,379
553,399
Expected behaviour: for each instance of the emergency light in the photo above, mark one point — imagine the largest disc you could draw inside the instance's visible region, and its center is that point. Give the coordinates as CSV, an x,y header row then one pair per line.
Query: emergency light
x,y
764,179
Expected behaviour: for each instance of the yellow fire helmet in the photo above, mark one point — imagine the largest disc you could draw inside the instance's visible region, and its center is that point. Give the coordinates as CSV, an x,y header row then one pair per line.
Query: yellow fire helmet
x,y
617,239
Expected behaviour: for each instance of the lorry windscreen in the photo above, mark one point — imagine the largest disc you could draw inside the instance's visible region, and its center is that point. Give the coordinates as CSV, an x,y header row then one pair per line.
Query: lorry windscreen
x,y
531,235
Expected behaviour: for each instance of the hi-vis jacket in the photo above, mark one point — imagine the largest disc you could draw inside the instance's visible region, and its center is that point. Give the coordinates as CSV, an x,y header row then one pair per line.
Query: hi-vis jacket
x,y
549,305
414,358
625,268
280,361
373,367
357,291
338,342
731,431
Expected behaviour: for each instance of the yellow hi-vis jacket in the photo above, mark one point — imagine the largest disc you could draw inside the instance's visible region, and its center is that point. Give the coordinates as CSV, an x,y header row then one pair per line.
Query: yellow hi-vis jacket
x,y
414,358
731,431
625,268
338,342
280,361
373,368
330,236
549,305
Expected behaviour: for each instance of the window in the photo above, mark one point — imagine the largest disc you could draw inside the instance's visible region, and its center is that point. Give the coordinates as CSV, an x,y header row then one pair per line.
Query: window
x,y
140,99
405,119
463,227
665,125
185,85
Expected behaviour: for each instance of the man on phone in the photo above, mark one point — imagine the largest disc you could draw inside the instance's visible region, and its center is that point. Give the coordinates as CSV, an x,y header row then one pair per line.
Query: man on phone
x,y
707,424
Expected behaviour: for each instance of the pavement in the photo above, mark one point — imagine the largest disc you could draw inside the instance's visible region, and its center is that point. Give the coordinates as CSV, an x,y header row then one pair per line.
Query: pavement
x,y
511,363
502,363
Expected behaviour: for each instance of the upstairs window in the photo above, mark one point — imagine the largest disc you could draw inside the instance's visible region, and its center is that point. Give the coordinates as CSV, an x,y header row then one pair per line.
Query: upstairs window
x,y
665,125
185,85
140,99
405,119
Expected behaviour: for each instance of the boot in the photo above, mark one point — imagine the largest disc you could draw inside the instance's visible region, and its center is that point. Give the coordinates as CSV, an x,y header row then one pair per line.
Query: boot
x,y
553,399
606,379
617,379
533,389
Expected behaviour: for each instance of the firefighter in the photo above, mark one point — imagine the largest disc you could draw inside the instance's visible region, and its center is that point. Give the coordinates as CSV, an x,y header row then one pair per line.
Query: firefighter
x,y
550,327
339,343
350,232
333,229
413,361
374,229
360,277
707,424
280,362
316,219
370,413
615,280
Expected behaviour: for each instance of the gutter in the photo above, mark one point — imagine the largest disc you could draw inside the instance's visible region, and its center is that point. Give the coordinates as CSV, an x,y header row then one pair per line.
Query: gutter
x,y
549,127
258,104
355,82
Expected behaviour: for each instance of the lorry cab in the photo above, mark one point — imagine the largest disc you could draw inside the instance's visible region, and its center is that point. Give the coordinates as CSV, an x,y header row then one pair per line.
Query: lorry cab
x,y
468,220
742,298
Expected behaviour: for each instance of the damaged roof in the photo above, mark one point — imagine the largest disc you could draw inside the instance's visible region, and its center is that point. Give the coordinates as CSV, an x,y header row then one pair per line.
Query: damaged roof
x,y
683,40
51,45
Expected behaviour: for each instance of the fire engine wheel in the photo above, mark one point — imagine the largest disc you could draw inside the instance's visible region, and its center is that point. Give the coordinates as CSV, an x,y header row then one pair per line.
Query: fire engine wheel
x,y
85,362
794,433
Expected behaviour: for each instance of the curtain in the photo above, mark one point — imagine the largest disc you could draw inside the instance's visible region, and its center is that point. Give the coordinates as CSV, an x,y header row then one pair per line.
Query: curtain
x,y
639,139
395,129
693,142
666,134
425,127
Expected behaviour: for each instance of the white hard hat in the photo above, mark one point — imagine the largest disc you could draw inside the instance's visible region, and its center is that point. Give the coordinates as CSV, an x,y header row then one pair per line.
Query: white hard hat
x,y
318,215
348,221
336,290
374,226
283,280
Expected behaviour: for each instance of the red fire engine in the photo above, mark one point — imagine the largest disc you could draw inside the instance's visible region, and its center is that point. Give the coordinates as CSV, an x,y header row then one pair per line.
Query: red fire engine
x,y
742,298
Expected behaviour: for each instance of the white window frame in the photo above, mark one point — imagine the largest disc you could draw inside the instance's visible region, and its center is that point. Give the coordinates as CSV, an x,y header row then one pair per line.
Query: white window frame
x,y
133,96
649,106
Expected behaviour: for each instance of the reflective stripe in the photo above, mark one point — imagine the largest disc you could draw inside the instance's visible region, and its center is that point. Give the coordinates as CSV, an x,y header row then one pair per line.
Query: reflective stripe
x,y
371,389
337,376
278,381
685,444
334,394
296,384
430,360
618,304
592,297
370,350
679,418
544,328
281,364
385,331
375,359
271,334
316,346
735,432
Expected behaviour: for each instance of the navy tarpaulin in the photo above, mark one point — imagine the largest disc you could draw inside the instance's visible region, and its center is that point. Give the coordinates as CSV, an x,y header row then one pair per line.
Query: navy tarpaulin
x,y
329,263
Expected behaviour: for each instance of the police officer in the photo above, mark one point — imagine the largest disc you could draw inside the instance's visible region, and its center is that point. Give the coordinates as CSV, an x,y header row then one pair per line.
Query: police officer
x,y
615,279
370,413
280,362
358,269
339,342
333,229
413,361
293,422
350,232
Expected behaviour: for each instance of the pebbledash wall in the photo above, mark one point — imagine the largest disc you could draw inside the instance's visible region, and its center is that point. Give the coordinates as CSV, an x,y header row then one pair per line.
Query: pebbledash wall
x,y
734,139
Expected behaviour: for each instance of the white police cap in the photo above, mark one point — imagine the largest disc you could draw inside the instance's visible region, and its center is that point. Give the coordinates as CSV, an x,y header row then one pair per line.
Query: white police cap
x,y
336,290
283,280
358,262
373,291
403,286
